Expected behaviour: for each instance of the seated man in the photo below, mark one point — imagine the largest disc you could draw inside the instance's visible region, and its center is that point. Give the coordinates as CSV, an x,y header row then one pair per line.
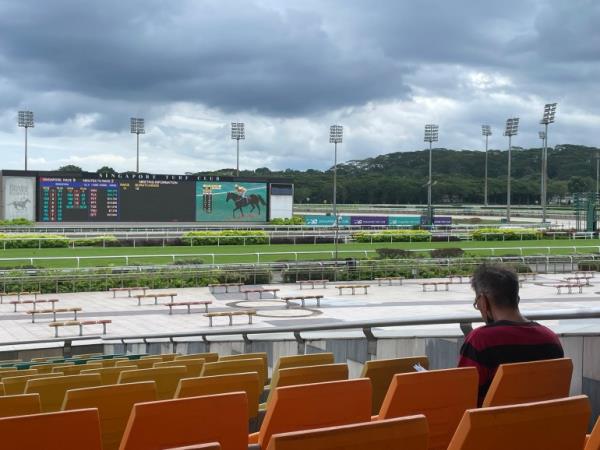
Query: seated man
x,y
507,337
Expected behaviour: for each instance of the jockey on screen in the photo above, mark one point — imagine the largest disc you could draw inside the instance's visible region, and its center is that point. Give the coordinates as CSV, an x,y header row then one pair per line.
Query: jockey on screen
x,y
241,190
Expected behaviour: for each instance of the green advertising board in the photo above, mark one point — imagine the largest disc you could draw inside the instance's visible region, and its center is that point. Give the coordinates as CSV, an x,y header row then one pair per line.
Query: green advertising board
x,y
404,220
226,201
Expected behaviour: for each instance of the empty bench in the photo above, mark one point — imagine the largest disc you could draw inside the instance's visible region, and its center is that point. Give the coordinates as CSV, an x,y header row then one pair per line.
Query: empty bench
x,y
156,296
577,280
302,298
569,287
459,279
212,287
260,292
312,283
128,290
80,324
189,305
18,294
353,287
389,280
34,303
230,314
435,284
53,311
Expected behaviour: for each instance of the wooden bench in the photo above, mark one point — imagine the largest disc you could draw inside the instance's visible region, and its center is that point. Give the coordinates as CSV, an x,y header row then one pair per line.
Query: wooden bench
x,y
80,324
302,298
584,273
353,287
312,283
155,296
33,302
128,289
260,292
460,278
390,280
528,275
569,287
189,305
230,314
435,284
53,311
212,287
577,280
18,294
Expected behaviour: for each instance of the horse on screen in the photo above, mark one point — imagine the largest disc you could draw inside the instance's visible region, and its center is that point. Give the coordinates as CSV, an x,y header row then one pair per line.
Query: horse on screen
x,y
252,200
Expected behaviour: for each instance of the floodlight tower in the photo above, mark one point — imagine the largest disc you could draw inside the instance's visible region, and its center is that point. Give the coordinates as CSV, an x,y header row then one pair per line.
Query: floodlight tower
x,y
238,133
512,129
548,118
137,128
486,131
542,136
431,135
25,120
336,133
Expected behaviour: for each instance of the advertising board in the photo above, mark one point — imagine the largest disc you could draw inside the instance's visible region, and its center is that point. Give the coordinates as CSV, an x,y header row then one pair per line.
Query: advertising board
x,y
18,197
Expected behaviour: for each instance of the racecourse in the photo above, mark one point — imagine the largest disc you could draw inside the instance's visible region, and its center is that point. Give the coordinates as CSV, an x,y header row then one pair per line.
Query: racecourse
x,y
228,254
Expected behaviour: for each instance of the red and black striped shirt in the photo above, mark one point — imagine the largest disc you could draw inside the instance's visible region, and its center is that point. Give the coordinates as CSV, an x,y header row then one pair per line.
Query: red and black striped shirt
x,y
505,342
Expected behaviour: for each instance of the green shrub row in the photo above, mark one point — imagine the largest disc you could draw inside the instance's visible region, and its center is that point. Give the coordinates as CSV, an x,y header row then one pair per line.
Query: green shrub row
x,y
506,234
393,236
15,222
295,220
225,237
42,240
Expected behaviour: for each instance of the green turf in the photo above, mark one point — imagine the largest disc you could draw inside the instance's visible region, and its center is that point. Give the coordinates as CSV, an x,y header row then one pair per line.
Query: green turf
x,y
279,252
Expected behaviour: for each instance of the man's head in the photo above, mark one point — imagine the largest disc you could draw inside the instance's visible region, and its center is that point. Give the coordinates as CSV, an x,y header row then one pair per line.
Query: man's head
x,y
496,291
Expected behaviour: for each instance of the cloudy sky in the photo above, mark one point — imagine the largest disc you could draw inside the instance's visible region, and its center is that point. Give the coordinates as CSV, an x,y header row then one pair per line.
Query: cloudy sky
x,y
288,69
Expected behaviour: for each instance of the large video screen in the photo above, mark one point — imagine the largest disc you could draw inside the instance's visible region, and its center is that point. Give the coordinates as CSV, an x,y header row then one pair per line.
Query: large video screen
x,y
226,201
67,199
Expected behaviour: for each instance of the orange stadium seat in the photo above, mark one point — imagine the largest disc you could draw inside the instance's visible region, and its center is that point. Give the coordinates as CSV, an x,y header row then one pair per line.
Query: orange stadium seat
x,y
530,382
146,363
207,357
65,430
405,433
237,366
16,385
165,357
381,372
593,441
109,375
550,425
166,379
308,406
52,390
193,366
441,395
164,424
211,446
114,404
19,405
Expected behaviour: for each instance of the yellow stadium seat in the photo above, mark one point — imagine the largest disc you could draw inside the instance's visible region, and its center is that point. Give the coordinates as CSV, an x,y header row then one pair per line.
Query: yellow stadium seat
x,y
139,363
16,385
114,404
166,379
261,355
188,421
207,357
308,406
52,390
17,373
1,388
408,433
109,375
307,375
111,362
76,369
48,368
19,405
65,430
532,381
163,356
236,366
441,395
193,366
381,372
549,425
222,384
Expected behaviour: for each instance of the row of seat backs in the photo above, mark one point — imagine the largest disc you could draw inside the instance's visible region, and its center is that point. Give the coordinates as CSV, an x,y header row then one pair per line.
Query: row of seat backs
x,y
552,425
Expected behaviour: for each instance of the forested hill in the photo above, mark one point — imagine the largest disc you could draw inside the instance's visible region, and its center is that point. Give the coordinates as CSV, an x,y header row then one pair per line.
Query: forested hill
x,y
458,176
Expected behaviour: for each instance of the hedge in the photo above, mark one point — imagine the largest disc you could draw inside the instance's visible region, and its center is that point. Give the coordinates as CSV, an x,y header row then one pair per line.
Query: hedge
x,y
393,236
15,222
232,237
506,234
295,220
14,240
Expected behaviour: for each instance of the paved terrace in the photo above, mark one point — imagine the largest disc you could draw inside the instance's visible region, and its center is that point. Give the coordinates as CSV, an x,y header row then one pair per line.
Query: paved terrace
x,y
381,302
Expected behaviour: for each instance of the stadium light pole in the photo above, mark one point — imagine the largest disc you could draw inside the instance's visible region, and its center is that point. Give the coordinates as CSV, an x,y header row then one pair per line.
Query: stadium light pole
x,y
137,128
542,136
431,135
486,131
25,120
336,133
548,118
238,133
512,129
597,175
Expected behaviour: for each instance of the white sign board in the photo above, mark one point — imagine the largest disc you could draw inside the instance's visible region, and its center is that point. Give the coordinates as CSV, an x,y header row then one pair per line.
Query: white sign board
x,y
19,197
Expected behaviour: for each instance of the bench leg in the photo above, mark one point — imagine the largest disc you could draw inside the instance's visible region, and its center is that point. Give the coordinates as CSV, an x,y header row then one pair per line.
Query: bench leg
x,y
274,294
75,315
33,318
230,320
80,330
189,309
301,286
318,303
210,321
114,294
170,309
156,300
103,328
55,332
15,305
302,300
206,307
250,319
139,301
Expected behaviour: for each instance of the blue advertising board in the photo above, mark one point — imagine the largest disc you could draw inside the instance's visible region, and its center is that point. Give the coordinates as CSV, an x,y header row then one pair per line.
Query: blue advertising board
x,y
369,220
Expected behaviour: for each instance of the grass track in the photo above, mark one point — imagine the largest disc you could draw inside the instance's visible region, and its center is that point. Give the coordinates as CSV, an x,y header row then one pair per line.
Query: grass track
x,y
247,254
